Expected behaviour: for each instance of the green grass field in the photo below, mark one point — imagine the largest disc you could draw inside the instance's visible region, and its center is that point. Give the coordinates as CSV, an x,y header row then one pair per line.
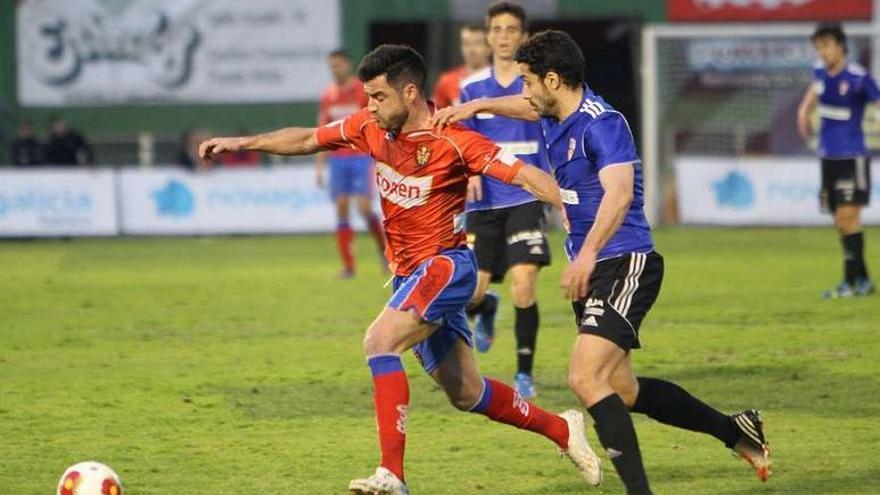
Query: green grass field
x,y
233,366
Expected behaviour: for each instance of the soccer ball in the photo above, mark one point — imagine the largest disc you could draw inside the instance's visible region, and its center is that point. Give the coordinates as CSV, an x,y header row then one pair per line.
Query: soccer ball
x,y
89,478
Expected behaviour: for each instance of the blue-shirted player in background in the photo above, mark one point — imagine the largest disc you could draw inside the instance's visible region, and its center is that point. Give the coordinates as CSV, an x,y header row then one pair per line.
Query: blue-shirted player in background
x,y
614,273
842,90
506,224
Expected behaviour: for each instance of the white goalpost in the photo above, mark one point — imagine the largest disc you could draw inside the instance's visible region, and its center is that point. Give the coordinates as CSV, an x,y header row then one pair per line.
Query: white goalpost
x,y
728,91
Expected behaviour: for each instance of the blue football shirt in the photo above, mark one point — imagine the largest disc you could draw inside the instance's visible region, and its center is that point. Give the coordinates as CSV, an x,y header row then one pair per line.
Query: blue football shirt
x,y
841,107
519,137
587,141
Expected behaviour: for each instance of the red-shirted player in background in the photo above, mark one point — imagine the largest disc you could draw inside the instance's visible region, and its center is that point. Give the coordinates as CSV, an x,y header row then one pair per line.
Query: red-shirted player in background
x,y
351,171
475,54
422,176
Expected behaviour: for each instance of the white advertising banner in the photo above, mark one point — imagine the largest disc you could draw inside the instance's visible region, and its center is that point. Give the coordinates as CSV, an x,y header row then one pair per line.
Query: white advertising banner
x,y
104,52
756,191
266,200
54,203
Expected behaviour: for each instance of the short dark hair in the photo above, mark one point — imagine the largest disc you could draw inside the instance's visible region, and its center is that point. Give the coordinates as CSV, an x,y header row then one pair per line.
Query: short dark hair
x,y
400,64
511,8
554,51
831,30
339,52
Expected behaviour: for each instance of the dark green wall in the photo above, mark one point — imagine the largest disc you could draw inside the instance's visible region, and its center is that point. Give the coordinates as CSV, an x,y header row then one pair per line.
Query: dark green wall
x,y
646,10
357,16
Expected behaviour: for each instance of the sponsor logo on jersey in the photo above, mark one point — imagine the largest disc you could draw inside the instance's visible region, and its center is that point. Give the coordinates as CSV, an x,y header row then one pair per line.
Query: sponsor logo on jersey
x,y
519,147
843,88
569,197
402,190
572,145
833,112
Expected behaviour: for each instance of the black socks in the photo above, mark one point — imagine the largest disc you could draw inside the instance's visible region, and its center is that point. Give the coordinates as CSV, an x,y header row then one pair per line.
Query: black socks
x,y
670,404
854,257
617,434
526,330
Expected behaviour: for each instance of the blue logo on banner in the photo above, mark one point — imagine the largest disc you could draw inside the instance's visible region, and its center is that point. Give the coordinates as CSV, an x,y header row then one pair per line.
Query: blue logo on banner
x,y
174,200
734,191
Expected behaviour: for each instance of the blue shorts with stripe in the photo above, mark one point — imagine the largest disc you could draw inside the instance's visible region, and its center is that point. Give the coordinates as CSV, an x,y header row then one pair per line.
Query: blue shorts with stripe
x,y
350,175
438,291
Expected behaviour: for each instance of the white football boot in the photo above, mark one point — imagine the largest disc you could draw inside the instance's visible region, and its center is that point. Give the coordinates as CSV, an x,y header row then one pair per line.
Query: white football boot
x,y
383,482
579,451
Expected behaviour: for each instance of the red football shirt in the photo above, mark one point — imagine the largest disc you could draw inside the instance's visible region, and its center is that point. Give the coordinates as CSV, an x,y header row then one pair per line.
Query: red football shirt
x,y
338,102
422,177
448,88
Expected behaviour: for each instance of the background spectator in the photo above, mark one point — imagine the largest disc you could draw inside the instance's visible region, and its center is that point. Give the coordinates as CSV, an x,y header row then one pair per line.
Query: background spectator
x,y
26,150
187,156
66,146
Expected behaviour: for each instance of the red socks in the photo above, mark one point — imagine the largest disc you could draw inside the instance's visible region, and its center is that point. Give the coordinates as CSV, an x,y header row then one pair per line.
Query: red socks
x,y
344,238
391,399
499,403
503,404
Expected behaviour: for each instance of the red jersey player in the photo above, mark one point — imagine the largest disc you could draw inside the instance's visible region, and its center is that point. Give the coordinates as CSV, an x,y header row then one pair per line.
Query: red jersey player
x,y
351,171
474,53
422,177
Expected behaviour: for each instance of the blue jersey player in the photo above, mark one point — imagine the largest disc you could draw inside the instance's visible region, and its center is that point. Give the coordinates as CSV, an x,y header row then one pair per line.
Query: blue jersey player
x,y
614,273
506,224
842,90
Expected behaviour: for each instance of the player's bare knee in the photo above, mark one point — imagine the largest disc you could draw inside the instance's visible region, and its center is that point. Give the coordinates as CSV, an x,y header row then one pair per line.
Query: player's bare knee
x,y
522,292
847,221
581,383
465,399
461,394
587,381
377,341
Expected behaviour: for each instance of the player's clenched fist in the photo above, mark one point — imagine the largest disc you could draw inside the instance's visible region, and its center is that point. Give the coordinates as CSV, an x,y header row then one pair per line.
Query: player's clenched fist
x,y
217,145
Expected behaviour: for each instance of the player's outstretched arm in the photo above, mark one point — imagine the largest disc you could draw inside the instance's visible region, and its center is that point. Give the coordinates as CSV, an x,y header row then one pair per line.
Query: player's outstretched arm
x,y
541,184
515,107
287,141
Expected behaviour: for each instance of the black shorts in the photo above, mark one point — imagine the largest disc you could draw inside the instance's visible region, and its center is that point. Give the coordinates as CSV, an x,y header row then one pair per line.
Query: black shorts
x,y
845,182
622,290
509,236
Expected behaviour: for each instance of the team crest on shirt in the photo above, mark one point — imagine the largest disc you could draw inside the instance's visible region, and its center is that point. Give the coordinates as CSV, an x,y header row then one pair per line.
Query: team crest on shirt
x,y
423,155
572,145
843,88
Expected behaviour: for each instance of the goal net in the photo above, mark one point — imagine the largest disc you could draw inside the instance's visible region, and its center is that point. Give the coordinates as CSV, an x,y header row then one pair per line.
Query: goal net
x,y
720,139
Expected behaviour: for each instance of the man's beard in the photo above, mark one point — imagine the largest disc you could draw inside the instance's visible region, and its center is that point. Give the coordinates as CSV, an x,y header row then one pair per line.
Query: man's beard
x,y
545,108
395,122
